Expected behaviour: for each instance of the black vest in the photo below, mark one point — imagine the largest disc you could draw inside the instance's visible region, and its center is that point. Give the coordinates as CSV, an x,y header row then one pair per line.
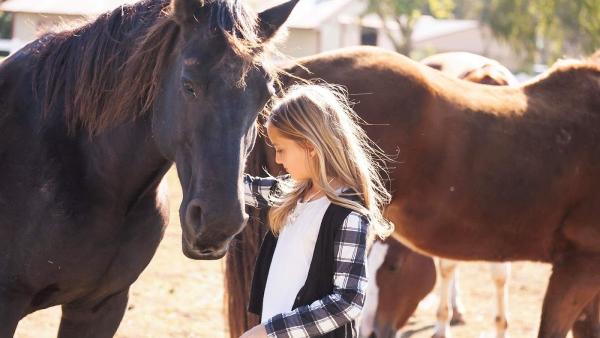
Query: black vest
x,y
319,282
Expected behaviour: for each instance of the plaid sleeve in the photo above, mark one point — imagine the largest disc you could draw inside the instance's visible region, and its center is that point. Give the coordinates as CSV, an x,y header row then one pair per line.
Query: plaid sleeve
x,y
349,288
257,190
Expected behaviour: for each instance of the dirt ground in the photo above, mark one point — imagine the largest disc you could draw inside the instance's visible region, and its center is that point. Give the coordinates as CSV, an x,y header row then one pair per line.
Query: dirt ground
x,y
178,297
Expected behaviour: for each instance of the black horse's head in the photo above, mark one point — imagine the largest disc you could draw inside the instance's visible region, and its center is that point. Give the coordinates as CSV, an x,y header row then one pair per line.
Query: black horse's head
x,y
206,113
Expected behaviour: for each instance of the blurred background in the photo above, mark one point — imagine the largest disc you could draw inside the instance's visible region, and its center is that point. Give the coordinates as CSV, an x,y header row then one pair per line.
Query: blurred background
x,y
525,36
178,297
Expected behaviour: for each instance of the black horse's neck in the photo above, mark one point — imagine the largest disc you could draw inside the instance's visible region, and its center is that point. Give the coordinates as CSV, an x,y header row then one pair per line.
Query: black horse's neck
x,y
123,164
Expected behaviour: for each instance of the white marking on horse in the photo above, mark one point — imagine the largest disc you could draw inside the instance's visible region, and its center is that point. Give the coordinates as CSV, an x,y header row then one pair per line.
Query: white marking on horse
x,y
374,261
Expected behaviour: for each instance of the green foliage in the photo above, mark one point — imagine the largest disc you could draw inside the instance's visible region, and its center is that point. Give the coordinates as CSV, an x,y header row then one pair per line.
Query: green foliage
x,y
5,25
467,9
543,30
405,13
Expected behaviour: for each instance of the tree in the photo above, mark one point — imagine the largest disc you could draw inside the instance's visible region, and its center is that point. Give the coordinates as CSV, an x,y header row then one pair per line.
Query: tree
x,y
543,30
406,13
5,25
467,9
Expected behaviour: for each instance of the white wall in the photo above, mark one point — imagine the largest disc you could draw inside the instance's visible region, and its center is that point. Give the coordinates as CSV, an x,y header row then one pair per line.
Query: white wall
x,y
301,42
477,41
28,26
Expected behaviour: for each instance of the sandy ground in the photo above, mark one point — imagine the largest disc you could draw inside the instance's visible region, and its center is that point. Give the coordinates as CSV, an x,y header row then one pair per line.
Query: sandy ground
x,y
178,297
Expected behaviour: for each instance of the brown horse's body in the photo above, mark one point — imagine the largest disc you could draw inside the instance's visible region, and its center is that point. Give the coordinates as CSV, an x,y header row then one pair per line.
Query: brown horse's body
x,y
485,172
395,293
511,169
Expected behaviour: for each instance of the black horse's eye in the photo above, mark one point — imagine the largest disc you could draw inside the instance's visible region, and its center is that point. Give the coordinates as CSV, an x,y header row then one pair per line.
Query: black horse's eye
x,y
392,267
189,88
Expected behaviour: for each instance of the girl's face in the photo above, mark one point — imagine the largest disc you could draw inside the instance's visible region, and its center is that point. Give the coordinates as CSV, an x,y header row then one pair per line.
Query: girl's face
x,y
293,156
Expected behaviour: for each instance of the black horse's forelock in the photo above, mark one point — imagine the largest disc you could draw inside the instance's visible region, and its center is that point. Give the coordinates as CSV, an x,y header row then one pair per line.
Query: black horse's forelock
x,y
108,71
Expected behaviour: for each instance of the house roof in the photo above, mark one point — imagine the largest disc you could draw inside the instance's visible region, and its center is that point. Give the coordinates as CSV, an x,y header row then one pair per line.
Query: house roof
x,y
312,13
64,7
427,27
307,14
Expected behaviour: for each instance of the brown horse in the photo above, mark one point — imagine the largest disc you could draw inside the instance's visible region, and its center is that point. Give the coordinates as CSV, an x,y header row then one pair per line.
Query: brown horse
x,y
512,169
399,279
471,67
394,296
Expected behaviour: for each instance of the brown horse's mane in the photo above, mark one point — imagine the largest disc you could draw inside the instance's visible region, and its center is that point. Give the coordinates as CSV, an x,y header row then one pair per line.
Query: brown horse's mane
x,y
108,71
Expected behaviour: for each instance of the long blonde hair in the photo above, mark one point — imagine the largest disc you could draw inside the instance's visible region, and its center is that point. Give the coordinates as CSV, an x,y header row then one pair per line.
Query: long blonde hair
x,y
320,116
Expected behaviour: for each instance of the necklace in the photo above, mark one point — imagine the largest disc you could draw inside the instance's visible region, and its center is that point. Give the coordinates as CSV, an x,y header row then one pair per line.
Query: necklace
x,y
294,214
309,198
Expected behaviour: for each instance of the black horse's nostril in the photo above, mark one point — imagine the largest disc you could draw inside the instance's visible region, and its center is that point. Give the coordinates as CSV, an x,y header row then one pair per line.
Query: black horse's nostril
x,y
193,214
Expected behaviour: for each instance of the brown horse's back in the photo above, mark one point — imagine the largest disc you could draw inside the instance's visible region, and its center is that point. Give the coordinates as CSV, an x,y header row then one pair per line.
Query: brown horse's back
x,y
501,166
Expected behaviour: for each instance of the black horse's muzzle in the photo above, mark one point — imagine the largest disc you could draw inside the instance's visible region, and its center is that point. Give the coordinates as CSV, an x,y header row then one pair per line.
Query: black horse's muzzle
x,y
206,237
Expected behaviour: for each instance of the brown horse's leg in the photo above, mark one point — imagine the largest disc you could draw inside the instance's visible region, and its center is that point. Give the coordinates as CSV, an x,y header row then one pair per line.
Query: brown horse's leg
x,y
574,282
588,324
13,307
447,270
93,319
458,309
500,275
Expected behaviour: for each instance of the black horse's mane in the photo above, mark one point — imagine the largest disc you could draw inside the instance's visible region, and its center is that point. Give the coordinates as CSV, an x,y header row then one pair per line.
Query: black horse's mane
x,y
108,71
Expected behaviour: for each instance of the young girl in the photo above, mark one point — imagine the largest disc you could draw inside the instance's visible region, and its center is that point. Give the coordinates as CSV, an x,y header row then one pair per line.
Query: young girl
x,y
310,275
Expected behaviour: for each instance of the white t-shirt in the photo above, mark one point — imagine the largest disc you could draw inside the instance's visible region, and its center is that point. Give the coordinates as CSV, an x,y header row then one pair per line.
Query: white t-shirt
x,y
292,257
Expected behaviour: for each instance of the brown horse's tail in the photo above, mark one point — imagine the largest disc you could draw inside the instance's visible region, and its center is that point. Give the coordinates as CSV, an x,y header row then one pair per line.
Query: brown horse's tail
x,y
242,254
239,265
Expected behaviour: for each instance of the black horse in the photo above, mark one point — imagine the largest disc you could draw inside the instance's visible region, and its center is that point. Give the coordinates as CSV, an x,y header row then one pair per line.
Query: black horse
x,y
90,121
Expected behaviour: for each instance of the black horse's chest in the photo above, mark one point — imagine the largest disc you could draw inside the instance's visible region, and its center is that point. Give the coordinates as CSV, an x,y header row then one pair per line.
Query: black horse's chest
x,y
76,260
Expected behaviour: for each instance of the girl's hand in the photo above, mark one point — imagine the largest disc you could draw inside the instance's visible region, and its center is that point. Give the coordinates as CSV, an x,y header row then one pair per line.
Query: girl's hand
x,y
258,331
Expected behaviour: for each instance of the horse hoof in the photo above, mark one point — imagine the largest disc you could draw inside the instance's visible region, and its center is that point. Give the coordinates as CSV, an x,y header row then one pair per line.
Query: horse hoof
x,y
457,319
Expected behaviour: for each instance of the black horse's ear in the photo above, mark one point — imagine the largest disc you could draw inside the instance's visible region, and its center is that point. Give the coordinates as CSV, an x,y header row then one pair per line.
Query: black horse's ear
x,y
270,20
186,11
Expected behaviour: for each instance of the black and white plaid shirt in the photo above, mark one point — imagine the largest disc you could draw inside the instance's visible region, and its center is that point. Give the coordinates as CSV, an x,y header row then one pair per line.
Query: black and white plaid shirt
x,y
345,303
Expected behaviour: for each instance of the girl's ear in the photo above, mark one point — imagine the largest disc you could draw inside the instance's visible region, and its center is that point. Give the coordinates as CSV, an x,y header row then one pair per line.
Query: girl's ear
x,y
310,148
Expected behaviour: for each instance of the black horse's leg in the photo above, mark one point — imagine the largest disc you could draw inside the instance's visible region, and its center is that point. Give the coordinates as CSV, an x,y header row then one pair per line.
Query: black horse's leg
x,y
93,319
574,282
13,307
588,324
